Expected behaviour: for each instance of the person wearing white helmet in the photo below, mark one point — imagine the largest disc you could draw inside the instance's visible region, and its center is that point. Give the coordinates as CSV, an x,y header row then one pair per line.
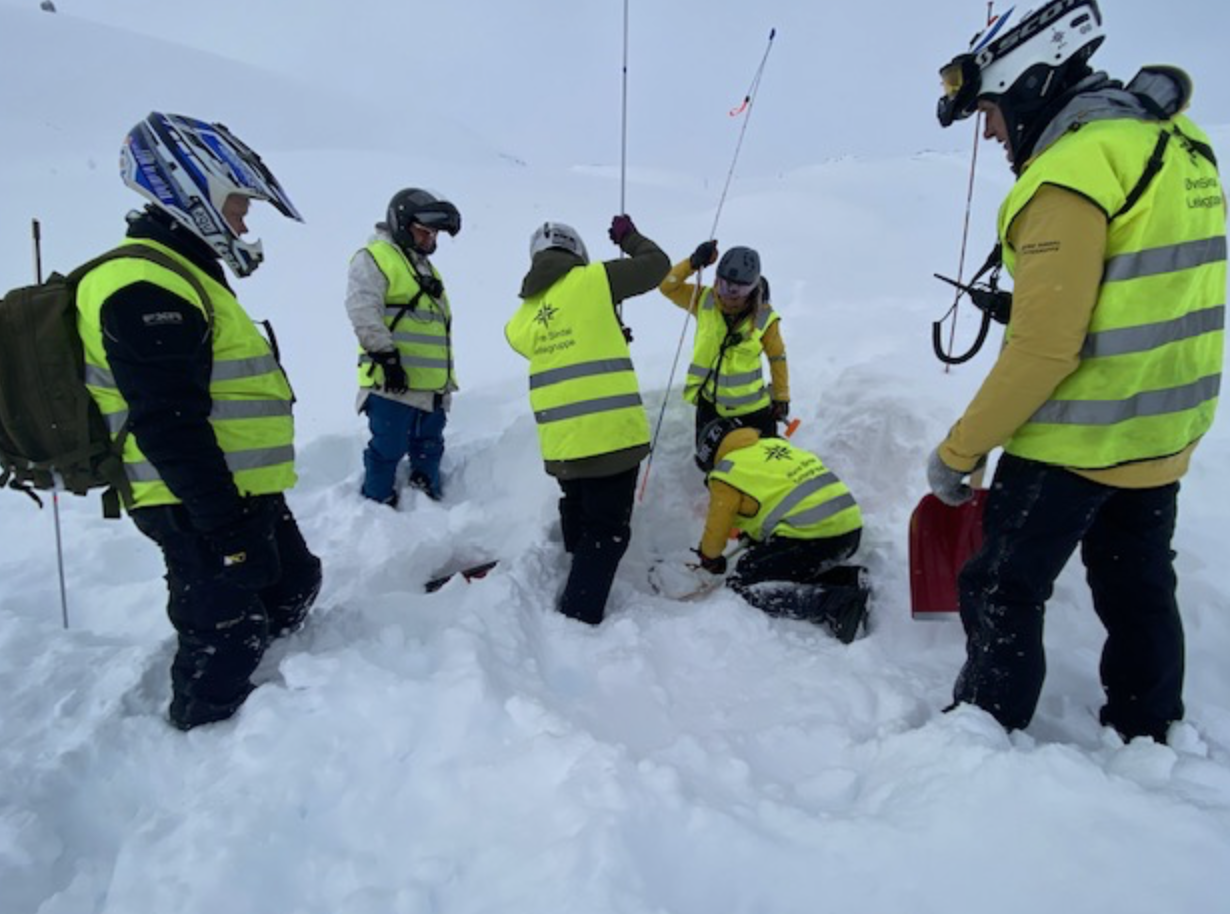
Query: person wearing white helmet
x,y
401,315
735,327
1114,233
592,427
194,395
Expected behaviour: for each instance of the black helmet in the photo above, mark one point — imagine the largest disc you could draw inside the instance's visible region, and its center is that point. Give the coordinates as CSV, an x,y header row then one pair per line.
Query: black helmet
x,y
710,438
413,205
740,267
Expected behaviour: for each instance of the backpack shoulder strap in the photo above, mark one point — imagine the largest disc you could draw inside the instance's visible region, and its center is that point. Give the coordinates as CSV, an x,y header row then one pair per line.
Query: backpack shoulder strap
x,y
155,256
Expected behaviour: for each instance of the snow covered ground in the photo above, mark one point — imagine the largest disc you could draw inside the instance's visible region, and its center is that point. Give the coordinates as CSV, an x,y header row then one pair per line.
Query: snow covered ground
x,y
470,750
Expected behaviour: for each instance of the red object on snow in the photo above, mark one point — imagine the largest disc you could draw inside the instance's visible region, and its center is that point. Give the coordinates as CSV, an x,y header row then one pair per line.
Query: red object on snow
x,y
942,540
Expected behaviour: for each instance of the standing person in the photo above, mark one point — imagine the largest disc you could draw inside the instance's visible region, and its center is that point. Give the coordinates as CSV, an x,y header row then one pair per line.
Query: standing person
x,y
800,521
1115,236
592,426
401,315
735,325
202,408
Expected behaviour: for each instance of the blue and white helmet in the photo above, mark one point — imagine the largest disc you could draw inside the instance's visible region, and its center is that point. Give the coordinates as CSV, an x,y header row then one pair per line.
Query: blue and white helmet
x,y
188,168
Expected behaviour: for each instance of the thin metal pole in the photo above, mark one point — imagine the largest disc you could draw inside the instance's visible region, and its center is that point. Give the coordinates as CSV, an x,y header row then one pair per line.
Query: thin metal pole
x,y
749,101
623,132
36,234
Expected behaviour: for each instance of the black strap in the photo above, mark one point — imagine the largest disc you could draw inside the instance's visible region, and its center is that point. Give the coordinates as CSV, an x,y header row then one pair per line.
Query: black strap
x,y
1152,167
730,339
994,263
1203,149
404,309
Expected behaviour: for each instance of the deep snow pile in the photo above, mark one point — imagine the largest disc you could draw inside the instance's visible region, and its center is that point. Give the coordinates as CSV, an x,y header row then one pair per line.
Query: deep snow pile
x,y
471,750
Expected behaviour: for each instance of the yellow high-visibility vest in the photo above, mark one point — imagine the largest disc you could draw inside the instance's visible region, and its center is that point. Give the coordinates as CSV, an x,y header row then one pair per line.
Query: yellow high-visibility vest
x,y
1150,371
422,333
251,414
583,388
799,497
726,362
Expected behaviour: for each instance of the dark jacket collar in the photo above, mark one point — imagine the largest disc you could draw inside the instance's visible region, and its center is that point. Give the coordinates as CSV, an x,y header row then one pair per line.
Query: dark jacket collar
x,y
546,269
155,225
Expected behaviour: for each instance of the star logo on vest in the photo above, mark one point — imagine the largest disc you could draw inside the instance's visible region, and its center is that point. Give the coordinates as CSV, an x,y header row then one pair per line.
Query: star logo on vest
x,y
545,314
777,452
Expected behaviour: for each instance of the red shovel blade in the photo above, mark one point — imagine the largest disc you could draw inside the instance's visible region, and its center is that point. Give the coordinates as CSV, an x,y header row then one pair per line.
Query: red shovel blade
x,y
942,539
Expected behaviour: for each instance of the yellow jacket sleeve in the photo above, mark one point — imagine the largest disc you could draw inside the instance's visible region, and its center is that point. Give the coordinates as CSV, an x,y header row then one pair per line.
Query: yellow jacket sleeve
x,y
675,287
725,503
1060,239
775,350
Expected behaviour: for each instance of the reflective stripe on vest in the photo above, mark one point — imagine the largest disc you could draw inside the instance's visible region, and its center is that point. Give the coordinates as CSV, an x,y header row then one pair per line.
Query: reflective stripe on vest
x,y
251,412
422,334
1150,369
583,388
799,497
736,385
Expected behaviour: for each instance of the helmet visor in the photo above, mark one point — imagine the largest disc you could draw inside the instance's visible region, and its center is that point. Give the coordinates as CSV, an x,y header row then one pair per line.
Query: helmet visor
x,y
439,217
251,176
961,82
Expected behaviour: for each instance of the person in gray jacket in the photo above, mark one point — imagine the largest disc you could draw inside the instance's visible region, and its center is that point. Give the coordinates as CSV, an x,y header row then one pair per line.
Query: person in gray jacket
x,y
400,312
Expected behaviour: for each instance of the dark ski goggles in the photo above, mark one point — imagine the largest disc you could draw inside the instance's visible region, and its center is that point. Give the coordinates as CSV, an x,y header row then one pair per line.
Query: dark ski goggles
x,y
962,80
439,217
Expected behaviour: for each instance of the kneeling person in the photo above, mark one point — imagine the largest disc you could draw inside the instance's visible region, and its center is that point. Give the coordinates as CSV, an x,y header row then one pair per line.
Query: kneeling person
x,y
802,522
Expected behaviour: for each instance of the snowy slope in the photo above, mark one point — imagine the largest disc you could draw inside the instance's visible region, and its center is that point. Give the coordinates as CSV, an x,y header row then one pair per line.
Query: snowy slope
x,y
472,751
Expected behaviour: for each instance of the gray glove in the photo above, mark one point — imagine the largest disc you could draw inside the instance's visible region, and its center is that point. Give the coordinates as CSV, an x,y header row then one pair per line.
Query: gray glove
x,y
947,484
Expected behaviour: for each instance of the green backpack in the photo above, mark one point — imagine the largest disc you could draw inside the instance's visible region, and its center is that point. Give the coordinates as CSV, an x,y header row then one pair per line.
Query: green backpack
x,y
52,434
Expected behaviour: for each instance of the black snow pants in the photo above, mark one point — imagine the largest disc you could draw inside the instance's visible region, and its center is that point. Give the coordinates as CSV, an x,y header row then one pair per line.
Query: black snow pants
x,y
224,629
1036,515
817,586
596,522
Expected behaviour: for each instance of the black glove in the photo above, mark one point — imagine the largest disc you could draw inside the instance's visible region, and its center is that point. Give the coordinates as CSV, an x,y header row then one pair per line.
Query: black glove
x,y
780,410
621,228
246,549
705,254
395,381
714,565
431,286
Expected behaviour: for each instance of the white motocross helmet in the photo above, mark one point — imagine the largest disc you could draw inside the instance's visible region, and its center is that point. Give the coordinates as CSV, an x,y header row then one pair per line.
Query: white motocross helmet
x,y
1016,58
188,168
558,235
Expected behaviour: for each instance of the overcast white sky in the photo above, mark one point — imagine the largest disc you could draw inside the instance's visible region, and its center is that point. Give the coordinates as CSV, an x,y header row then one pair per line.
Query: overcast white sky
x,y
545,76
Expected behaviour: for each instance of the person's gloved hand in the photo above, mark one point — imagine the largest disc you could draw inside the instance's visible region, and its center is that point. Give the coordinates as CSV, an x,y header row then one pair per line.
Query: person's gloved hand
x,y
713,566
431,286
395,380
246,549
780,410
948,484
705,254
621,227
